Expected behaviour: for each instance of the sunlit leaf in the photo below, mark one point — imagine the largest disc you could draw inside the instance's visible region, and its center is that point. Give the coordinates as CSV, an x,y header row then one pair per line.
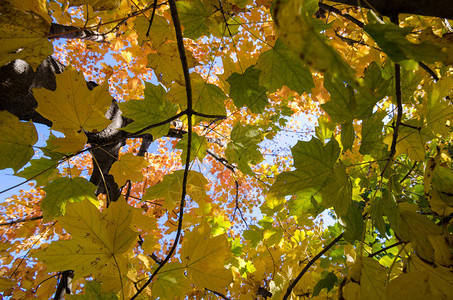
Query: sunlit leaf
x,y
151,110
279,67
65,190
197,149
204,257
72,106
128,167
17,140
98,239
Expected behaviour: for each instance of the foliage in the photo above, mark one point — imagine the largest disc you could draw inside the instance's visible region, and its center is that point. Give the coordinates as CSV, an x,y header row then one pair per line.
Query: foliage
x,y
220,207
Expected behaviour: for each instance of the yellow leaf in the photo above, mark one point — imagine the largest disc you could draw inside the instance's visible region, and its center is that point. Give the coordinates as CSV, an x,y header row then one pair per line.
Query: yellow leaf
x,y
23,35
99,239
72,106
128,167
73,142
17,140
413,285
166,63
159,32
204,258
6,283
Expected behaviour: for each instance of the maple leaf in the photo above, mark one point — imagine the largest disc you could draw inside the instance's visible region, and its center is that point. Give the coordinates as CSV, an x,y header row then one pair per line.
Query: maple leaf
x,y
245,90
171,188
65,190
17,140
128,167
154,108
197,149
171,281
165,62
41,170
19,40
207,98
204,257
72,106
314,163
280,67
159,32
98,239
243,148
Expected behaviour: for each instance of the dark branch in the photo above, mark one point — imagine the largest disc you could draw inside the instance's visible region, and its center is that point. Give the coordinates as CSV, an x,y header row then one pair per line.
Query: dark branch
x,y
188,112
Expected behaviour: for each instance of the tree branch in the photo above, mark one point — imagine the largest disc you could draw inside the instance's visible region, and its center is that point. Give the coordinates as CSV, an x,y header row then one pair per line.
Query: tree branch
x,y
189,113
309,264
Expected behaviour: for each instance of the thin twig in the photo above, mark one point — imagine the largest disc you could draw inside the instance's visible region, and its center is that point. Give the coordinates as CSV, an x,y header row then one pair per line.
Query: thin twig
x,y
385,249
21,221
309,264
409,172
218,294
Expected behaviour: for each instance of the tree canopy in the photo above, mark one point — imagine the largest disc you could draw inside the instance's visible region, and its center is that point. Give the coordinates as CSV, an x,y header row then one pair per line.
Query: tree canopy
x,y
194,149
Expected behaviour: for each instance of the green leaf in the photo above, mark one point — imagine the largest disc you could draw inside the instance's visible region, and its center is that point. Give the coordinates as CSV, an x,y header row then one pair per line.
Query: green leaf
x,y
255,235
170,282
443,184
338,191
41,170
197,149
194,18
439,109
347,135
207,98
17,139
354,223
306,202
373,279
342,104
314,163
151,110
246,91
243,148
280,67
416,228
296,28
93,291
327,282
411,140
392,40
64,190
373,137
170,188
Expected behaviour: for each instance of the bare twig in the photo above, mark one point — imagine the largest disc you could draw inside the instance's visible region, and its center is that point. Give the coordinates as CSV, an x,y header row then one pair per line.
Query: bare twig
x,y
309,264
